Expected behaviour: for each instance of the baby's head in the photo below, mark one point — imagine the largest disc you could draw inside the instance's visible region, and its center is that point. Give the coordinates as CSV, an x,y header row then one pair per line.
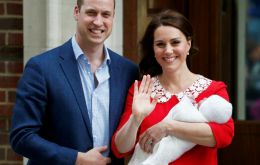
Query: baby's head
x,y
216,108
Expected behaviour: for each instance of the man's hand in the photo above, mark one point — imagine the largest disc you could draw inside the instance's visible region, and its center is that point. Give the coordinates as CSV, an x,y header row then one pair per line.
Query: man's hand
x,y
93,157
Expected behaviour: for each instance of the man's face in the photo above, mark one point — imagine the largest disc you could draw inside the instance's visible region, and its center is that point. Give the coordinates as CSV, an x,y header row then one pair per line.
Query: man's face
x,y
94,21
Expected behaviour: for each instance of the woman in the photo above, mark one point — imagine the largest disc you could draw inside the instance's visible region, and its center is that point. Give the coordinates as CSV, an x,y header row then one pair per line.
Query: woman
x,y
166,44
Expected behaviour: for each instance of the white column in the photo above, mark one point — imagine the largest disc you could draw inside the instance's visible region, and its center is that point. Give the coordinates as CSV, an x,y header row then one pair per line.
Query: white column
x,y
47,24
34,25
241,74
53,23
115,41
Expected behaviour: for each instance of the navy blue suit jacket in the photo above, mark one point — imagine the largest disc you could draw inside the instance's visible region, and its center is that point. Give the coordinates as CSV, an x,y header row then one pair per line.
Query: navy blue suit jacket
x,y
50,121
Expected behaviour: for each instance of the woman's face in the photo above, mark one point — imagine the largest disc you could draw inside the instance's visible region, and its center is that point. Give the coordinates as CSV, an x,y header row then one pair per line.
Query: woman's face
x,y
171,48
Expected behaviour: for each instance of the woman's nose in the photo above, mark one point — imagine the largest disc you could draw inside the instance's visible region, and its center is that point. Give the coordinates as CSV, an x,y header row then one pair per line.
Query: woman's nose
x,y
168,48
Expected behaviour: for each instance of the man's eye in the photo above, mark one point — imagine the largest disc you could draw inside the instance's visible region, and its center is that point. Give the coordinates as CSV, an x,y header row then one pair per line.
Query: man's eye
x,y
91,13
106,15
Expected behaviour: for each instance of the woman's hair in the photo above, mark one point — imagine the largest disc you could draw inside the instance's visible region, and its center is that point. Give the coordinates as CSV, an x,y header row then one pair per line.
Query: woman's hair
x,y
148,63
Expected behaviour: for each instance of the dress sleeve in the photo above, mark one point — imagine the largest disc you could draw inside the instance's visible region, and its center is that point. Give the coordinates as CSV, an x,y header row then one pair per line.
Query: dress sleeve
x,y
223,133
124,118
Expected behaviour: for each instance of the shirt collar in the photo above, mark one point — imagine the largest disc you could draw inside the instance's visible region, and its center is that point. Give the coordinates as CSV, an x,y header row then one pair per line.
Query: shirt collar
x,y
78,51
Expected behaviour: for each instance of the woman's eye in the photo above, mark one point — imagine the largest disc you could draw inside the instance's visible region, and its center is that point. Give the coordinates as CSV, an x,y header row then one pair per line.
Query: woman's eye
x,y
175,42
161,45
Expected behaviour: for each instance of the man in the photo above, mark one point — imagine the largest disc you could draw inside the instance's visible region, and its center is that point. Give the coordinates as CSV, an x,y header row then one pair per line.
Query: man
x,y
69,99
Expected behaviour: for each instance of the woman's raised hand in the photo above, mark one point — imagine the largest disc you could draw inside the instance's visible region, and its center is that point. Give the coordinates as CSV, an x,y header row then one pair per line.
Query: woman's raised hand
x,y
142,104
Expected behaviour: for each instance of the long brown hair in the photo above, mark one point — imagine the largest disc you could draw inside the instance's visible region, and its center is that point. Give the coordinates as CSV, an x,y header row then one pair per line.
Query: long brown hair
x,y
148,63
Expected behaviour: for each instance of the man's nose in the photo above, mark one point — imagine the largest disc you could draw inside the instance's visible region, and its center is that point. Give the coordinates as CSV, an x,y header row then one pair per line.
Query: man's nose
x,y
98,20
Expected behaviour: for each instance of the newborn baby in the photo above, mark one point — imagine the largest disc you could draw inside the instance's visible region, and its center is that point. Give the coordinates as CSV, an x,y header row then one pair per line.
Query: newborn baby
x,y
213,109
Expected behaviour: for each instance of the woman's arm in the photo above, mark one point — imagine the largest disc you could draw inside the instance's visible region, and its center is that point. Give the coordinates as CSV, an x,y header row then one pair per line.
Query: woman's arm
x,y
198,133
129,132
207,134
141,107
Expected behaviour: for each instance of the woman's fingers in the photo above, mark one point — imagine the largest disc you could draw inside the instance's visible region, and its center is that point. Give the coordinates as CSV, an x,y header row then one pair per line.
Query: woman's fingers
x,y
142,96
145,86
146,143
142,141
142,85
147,83
135,88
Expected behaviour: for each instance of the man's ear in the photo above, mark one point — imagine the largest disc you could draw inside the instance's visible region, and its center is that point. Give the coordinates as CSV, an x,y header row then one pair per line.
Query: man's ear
x,y
76,12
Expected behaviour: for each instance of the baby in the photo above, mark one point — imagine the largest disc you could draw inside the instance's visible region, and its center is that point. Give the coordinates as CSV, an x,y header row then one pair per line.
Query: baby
x,y
213,109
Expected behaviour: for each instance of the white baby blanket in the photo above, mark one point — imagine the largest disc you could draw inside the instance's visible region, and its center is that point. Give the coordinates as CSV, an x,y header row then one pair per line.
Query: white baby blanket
x,y
170,148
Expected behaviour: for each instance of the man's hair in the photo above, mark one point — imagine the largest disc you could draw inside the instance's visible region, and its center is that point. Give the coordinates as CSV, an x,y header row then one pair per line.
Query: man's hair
x,y
80,3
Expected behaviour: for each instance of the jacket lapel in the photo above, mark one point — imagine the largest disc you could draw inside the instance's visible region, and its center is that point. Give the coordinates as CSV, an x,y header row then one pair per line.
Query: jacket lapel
x,y
115,88
70,67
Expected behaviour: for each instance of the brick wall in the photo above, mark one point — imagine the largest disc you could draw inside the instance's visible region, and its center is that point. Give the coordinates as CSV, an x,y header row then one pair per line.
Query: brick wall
x,y
11,66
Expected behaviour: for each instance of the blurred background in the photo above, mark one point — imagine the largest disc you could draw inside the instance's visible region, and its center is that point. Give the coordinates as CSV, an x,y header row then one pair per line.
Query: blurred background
x,y
226,32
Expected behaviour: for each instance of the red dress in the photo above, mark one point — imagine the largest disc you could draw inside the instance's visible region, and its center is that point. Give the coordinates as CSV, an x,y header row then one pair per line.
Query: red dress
x,y
199,155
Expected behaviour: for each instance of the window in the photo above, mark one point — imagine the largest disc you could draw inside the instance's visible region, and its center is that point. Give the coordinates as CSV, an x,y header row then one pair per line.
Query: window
x,y
253,60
